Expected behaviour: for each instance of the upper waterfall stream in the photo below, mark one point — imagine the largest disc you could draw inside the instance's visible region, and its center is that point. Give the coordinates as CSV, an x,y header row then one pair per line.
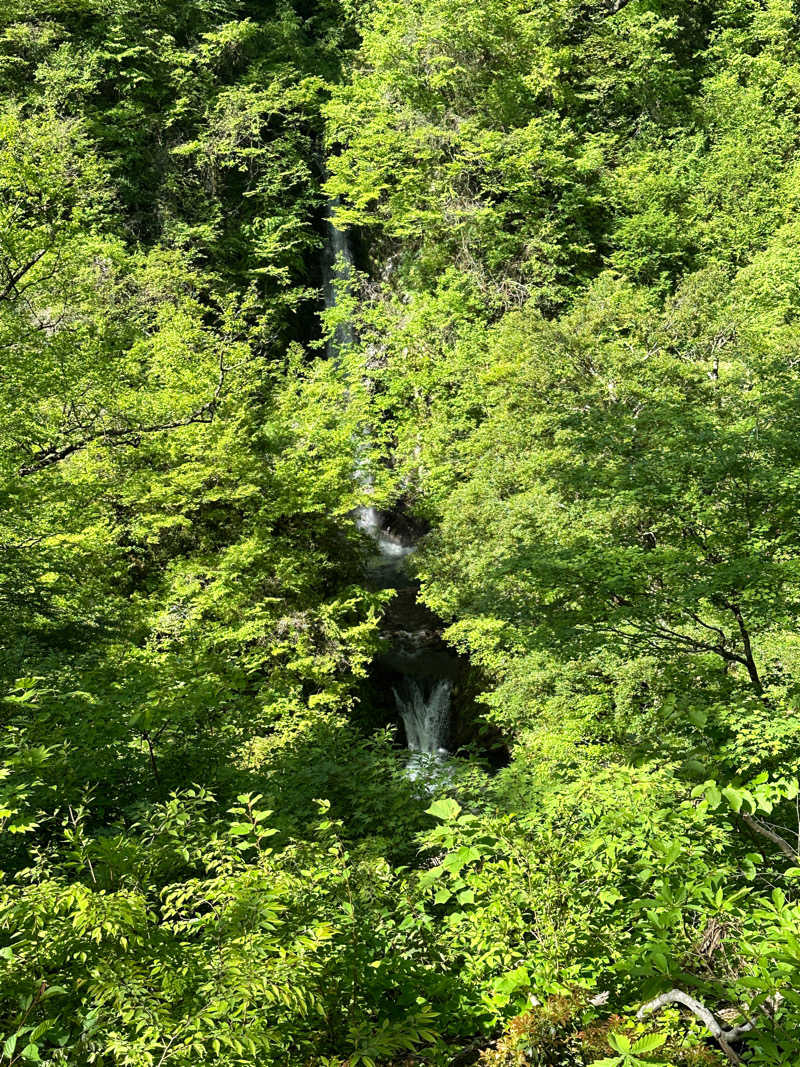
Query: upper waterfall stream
x,y
338,266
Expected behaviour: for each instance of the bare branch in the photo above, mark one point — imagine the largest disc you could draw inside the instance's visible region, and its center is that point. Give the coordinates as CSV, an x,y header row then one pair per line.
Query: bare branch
x,y
758,827
661,633
130,436
725,1037
707,626
14,277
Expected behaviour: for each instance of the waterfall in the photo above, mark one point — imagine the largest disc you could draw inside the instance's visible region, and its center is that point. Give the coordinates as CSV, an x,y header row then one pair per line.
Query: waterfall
x,y
392,550
424,706
425,717
338,266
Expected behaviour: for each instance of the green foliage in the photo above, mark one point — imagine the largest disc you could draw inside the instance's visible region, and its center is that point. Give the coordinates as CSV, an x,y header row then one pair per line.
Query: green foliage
x,y
571,359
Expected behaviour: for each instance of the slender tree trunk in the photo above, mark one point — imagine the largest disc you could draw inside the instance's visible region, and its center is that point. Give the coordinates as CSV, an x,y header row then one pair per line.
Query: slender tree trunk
x,y
153,763
750,663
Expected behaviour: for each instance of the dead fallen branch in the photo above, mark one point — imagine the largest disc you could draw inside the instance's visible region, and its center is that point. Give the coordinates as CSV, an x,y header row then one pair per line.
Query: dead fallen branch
x,y
725,1036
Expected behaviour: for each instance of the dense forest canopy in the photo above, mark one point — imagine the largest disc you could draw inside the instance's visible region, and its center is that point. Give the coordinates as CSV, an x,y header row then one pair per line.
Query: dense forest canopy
x,y
563,350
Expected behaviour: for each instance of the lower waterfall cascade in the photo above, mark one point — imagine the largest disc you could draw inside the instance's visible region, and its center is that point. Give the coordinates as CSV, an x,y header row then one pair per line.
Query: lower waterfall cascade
x,y
422,666
426,716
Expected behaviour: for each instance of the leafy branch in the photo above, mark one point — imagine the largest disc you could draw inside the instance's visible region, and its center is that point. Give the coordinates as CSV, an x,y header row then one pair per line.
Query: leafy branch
x,y
126,435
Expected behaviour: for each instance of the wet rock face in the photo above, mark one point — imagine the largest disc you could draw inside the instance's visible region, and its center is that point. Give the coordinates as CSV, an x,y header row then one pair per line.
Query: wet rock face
x,y
415,645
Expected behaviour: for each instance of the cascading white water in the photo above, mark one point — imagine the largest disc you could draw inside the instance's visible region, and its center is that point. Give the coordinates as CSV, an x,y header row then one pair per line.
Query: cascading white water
x,y
426,717
390,548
